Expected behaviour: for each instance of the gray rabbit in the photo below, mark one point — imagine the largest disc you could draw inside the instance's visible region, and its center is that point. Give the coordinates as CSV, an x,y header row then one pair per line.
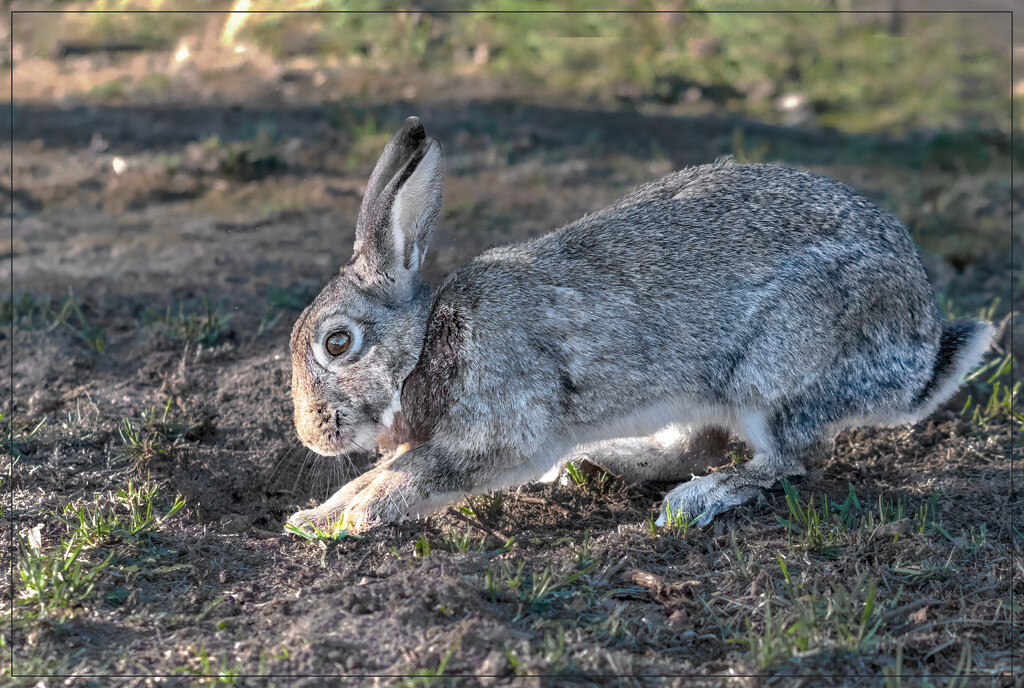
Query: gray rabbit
x,y
756,299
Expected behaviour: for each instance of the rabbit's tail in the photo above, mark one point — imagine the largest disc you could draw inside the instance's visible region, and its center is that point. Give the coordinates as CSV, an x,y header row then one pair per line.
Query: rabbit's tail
x,y
961,346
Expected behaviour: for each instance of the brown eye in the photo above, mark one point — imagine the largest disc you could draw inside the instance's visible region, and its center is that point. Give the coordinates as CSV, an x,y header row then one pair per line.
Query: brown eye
x,y
338,343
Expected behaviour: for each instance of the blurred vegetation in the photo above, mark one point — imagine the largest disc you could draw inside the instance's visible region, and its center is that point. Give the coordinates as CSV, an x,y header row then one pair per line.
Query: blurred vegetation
x,y
30,312
248,159
857,72
207,326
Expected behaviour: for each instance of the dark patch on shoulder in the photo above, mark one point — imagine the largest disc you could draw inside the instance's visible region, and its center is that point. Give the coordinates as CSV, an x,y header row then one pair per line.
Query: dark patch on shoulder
x,y
434,382
567,385
726,373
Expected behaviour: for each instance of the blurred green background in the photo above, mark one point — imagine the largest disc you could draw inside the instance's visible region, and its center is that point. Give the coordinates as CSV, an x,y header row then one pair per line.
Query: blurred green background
x,y
878,71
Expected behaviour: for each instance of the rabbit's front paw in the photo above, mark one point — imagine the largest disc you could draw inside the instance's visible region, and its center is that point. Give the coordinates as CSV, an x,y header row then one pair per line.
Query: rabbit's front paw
x,y
376,505
377,497
315,522
363,512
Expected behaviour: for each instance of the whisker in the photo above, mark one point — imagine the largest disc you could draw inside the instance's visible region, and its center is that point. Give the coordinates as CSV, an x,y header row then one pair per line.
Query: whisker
x,y
338,468
295,485
349,464
314,475
391,498
340,475
280,462
328,473
352,464
330,469
401,493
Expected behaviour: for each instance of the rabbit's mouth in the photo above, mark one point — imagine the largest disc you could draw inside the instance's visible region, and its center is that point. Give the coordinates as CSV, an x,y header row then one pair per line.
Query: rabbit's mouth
x,y
335,442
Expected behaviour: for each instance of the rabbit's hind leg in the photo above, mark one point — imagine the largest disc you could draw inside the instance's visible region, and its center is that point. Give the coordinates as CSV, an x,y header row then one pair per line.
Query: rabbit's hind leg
x,y
673,453
781,441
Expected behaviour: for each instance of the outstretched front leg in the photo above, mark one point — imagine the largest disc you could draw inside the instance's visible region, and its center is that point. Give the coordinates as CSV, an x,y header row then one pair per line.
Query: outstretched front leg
x,y
415,481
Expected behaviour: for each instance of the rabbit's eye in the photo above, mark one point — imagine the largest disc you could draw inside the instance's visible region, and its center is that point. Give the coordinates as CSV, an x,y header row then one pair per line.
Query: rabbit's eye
x,y
338,343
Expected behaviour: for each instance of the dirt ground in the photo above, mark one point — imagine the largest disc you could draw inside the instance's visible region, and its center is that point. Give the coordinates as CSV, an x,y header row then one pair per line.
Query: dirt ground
x,y
125,205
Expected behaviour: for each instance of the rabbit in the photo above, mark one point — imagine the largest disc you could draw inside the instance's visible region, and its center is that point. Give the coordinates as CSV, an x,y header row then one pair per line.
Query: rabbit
x,y
757,299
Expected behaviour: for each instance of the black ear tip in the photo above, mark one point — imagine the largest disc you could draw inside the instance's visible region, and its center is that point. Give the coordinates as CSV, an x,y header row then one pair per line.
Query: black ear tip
x,y
412,129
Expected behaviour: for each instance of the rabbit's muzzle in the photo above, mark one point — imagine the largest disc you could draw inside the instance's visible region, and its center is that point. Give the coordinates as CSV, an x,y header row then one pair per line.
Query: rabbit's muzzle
x,y
324,429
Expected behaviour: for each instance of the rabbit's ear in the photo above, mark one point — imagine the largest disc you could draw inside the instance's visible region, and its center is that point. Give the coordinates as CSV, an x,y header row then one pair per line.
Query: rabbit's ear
x,y
399,216
396,154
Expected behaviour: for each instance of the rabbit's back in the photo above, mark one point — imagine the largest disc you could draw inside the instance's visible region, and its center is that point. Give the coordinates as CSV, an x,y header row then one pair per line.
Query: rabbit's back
x,y
731,217
732,284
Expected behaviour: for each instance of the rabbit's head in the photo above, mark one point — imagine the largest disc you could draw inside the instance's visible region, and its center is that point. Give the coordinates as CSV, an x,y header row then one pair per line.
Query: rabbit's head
x,y
359,339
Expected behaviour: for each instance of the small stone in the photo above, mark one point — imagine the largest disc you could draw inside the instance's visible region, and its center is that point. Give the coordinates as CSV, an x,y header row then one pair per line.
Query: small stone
x,y
495,664
41,403
901,527
757,586
678,616
234,523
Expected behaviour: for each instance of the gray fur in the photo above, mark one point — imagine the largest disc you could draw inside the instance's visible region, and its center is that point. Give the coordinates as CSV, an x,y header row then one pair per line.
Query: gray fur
x,y
758,299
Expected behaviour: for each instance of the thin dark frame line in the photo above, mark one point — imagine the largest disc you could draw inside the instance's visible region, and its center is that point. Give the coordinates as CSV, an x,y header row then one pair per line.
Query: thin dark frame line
x,y
1015,364
446,12
10,408
457,677
600,11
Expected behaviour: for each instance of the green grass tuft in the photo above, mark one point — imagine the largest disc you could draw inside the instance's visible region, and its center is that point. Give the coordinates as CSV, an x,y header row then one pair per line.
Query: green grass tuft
x,y
333,532
807,615
457,544
322,537
131,517
429,677
677,523
251,159
278,301
209,674
1003,394
824,527
16,437
157,432
30,312
207,327
367,133
587,476
58,579
538,591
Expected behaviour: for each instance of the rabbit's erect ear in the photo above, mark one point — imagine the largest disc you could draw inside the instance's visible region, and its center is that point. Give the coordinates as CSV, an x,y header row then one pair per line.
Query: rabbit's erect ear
x,y
396,154
400,210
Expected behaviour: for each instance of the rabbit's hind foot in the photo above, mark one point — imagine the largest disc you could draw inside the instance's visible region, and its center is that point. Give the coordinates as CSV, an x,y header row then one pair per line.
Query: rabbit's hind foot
x,y
705,497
